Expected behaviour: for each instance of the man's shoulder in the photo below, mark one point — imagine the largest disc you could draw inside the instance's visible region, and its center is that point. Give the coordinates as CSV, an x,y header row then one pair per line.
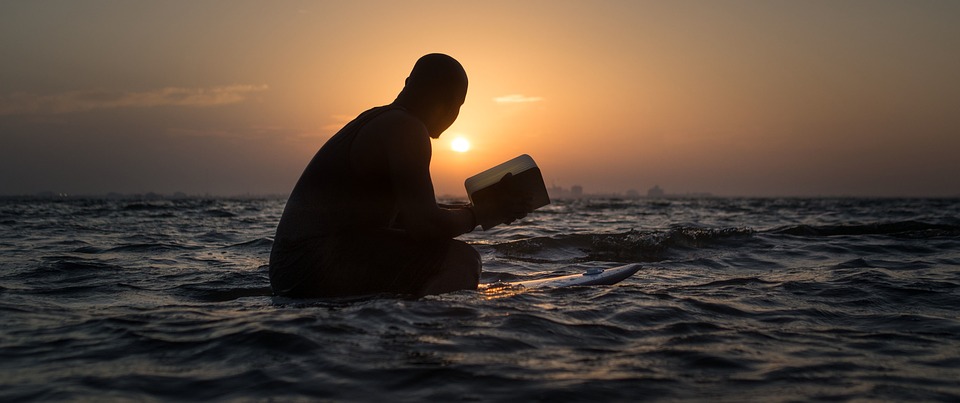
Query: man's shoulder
x,y
396,124
392,132
397,119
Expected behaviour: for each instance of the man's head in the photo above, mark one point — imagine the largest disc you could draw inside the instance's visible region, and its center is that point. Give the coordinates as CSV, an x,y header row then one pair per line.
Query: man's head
x,y
435,90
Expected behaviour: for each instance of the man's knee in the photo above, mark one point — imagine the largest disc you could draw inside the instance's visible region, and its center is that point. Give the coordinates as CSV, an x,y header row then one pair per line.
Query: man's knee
x,y
465,257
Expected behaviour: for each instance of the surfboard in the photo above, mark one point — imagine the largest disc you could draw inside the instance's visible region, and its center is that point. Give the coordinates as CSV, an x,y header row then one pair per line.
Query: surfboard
x,y
594,276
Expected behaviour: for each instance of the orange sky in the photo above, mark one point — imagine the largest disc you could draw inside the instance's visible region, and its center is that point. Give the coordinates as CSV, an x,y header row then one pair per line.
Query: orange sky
x,y
729,97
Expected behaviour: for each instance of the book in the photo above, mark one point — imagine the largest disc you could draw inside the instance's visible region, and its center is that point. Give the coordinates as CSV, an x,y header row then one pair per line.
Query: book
x,y
489,190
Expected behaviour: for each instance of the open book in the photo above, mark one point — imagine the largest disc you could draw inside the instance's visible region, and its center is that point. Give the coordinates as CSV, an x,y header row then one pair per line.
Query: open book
x,y
487,190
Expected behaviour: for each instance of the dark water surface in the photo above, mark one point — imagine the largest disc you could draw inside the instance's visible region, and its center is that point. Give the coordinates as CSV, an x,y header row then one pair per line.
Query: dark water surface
x,y
741,299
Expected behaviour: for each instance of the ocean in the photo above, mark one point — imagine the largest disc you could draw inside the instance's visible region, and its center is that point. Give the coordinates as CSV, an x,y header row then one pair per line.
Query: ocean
x,y
740,299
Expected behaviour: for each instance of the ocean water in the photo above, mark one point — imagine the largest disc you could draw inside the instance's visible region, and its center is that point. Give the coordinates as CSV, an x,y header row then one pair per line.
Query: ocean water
x,y
739,300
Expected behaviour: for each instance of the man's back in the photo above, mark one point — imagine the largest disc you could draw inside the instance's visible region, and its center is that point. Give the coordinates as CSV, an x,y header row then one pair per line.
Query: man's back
x,y
346,186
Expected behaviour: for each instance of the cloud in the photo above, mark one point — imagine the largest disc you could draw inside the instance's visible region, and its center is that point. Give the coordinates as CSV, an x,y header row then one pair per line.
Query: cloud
x,y
516,98
80,101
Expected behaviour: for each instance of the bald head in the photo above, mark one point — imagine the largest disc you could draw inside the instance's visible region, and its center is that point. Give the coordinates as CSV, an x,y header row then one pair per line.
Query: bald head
x,y
436,78
434,92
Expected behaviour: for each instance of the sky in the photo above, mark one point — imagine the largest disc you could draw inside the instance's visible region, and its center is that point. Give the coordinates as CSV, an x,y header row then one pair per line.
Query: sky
x,y
735,98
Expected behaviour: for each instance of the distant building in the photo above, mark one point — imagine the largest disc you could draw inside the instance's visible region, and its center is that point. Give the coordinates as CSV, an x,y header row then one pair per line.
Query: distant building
x,y
557,192
655,191
633,194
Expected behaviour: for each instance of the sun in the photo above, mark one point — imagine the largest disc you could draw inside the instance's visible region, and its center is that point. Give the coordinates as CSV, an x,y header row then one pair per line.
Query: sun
x,y
460,144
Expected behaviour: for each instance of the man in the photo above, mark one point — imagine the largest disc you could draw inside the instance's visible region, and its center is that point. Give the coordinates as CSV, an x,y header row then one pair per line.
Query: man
x,y
363,218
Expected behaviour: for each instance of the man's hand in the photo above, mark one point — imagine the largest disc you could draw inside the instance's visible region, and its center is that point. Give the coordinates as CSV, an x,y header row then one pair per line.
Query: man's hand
x,y
511,204
516,204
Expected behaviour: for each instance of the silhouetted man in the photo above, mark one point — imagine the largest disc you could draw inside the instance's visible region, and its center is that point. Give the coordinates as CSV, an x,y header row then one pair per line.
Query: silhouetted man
x,y
363,218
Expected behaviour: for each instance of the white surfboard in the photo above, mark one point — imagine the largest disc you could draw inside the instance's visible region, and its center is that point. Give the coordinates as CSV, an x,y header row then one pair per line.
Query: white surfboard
x,y
595,276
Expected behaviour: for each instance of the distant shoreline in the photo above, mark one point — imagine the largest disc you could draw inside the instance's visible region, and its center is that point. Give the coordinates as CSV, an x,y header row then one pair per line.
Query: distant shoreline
x,y
151,196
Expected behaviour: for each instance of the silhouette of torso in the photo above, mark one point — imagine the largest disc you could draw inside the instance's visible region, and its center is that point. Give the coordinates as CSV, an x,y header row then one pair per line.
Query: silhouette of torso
x,y
341,190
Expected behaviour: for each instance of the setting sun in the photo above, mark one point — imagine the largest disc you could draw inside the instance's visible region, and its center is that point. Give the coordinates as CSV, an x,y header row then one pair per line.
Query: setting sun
x,y
460,145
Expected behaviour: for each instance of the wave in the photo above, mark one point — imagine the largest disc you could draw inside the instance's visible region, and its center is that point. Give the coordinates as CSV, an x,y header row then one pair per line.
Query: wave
x,y
258,244
152,247
907,229
219,213
148,206
631,246
226,289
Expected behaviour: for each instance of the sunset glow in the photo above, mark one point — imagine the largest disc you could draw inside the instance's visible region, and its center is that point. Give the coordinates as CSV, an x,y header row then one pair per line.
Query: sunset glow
x,y
727,97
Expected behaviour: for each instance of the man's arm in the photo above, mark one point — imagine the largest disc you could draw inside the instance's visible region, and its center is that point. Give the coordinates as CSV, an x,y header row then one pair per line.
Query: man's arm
x,y
408,151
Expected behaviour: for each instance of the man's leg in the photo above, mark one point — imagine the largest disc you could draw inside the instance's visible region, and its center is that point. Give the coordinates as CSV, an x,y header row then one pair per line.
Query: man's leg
x,y
460,270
